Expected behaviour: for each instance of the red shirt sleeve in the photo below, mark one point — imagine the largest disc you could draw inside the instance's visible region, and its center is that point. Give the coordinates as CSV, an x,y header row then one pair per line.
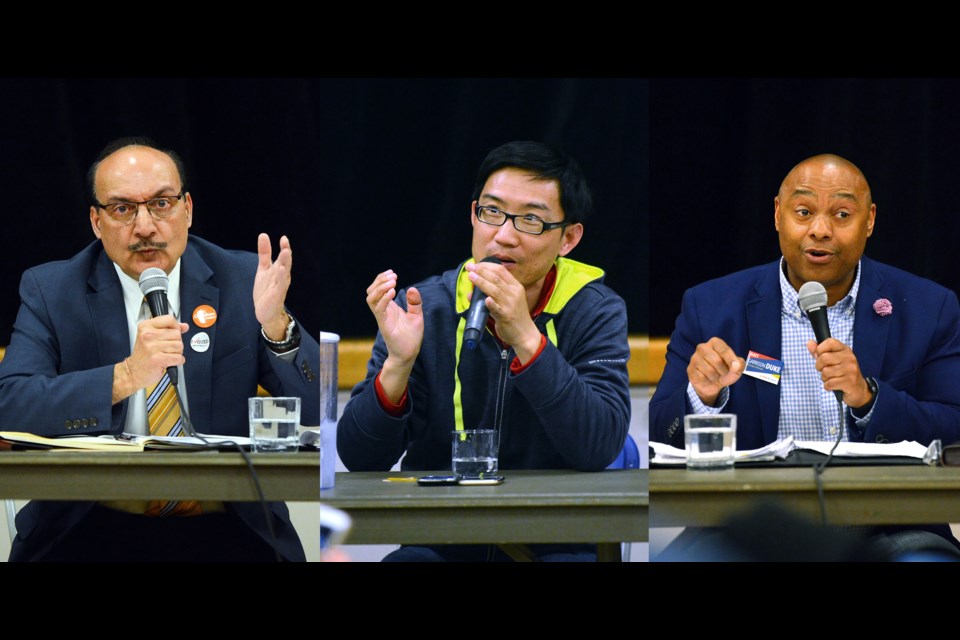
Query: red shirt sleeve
x,y
395,410
516,367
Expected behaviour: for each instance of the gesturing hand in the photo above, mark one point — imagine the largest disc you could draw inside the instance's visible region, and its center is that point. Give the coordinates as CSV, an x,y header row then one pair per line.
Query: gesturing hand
x,y
712,367
402,331
270,287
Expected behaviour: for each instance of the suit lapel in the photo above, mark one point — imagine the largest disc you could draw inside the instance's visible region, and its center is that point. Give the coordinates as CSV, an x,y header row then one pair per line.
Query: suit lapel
x,y
195,290
104,298
869,329
764,336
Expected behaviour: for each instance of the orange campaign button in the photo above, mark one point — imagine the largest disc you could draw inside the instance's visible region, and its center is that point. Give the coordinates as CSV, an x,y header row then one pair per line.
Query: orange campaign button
x,y
204,316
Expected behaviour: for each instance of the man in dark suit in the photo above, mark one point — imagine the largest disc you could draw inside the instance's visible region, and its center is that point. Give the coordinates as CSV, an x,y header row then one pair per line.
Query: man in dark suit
x,y
84,350
894,354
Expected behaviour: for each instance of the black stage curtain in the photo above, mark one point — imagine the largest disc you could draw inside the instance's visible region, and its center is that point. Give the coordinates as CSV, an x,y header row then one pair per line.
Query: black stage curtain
x,y
363,174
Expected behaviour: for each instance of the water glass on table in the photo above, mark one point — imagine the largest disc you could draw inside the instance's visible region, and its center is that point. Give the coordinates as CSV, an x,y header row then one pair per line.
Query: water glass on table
x,y
711,441
274,424
475,452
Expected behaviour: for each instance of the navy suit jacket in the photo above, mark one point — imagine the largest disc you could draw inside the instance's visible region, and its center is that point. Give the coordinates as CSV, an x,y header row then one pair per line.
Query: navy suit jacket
x,y
56,378
913,353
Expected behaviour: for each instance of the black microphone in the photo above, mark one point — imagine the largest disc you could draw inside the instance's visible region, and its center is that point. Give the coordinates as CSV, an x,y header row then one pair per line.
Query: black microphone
x,y
813,300
478,313
154,283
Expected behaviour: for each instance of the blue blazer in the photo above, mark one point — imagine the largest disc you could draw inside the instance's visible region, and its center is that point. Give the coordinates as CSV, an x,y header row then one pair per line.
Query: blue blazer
x,y
57,375
913,353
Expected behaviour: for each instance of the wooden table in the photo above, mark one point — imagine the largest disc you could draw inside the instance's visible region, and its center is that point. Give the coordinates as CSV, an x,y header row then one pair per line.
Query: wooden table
x,y
855,495
109,475
607,507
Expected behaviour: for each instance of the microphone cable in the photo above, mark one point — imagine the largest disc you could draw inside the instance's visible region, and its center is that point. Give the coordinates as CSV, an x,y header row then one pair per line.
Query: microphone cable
x,y
818,468
813,300
274,543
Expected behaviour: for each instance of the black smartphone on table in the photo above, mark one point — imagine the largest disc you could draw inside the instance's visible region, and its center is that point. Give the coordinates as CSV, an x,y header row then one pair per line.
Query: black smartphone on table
x,y
436,481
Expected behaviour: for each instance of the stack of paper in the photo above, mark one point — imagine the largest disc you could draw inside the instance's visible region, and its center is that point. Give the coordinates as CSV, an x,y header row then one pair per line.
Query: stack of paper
x,y
664,454
123,442
909,449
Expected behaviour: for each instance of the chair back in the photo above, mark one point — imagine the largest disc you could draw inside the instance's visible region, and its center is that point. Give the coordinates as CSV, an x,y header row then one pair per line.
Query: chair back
x,y
629,457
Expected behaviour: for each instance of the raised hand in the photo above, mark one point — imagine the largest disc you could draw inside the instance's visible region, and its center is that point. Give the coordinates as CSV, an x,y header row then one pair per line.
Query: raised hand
x,y
402,331
270,287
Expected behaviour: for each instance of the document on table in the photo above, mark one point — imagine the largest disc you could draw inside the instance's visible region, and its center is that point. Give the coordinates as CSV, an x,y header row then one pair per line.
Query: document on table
x,y
909,449
665,454
123,442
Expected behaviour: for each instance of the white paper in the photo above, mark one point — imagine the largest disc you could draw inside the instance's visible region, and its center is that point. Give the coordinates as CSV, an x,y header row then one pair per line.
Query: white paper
x,y
909,449
666,455
182,442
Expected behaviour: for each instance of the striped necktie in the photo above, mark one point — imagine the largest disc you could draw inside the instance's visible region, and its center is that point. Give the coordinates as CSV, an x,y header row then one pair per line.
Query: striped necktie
x,y
164,419
163,412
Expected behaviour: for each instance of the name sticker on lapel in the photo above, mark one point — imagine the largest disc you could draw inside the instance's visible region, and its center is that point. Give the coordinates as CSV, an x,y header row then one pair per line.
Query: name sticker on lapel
x,y
763,367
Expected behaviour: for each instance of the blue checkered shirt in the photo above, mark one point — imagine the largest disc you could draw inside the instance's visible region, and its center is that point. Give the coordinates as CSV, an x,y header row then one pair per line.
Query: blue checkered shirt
x,y
807,410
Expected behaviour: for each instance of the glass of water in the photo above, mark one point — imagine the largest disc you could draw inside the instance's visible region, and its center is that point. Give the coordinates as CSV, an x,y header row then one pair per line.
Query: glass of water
x,y
475,452
274,424
711,441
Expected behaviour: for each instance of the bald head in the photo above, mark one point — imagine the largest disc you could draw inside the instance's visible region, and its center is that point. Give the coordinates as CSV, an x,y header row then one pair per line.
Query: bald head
x,y
125,143
134,175
829,167
824,214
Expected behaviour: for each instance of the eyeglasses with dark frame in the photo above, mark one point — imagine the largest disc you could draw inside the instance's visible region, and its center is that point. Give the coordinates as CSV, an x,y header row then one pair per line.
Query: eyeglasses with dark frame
x,y
161,208
526,223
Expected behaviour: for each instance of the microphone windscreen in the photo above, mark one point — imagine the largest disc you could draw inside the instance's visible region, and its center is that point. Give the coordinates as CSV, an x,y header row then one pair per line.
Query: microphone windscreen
x,y
153,279
812,295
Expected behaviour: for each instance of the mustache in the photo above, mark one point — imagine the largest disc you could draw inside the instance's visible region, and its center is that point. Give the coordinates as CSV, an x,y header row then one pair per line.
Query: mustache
x,y
146,244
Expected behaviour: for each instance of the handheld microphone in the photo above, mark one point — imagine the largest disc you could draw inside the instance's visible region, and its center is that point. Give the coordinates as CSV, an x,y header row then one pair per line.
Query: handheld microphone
x,y
153,285
813,300
478,313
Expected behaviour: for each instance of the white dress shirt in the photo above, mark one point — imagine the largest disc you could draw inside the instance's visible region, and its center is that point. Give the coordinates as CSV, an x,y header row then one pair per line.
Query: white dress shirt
x,y
137,311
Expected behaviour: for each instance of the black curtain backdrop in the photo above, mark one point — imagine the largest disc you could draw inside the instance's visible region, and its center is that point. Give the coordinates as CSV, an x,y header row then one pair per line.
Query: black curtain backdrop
x,y
719,149
362,174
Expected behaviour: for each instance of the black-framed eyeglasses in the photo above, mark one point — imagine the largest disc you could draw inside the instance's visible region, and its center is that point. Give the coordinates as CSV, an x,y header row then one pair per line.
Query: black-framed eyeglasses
x,y
161,208
527,223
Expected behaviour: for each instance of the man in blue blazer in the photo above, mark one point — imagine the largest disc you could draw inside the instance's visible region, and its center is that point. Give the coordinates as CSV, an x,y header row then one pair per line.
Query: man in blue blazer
x,y
913,354
82,354
894,354
906,333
